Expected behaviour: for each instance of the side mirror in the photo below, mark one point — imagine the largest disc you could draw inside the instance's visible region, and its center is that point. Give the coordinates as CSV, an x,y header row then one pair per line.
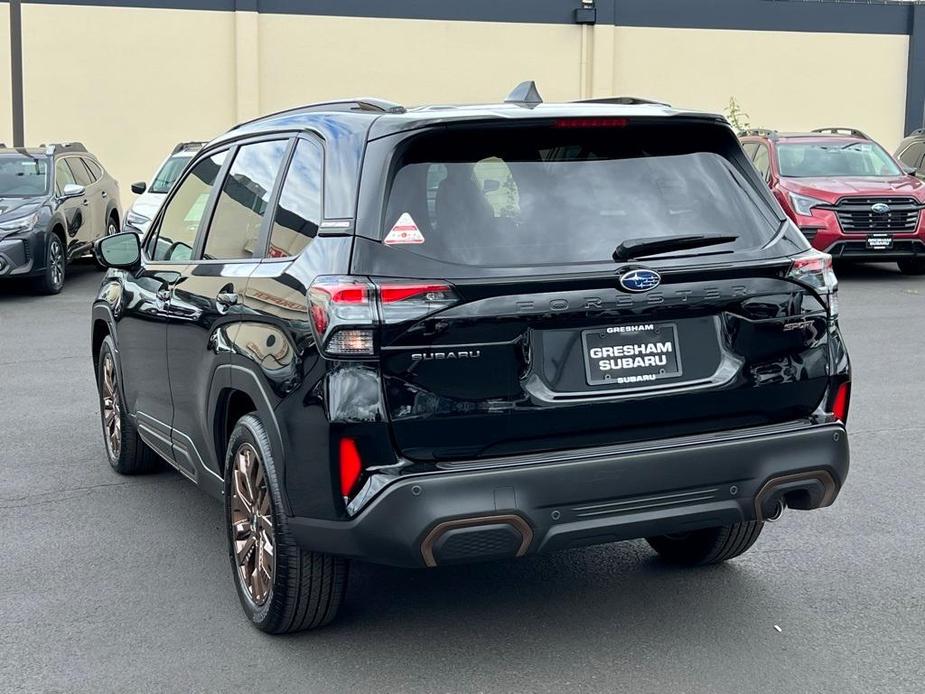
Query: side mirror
x,y
139,188
911,170
119,250
72,190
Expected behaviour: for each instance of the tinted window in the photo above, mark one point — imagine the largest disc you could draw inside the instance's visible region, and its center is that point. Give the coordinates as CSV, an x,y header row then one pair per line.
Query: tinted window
x,y
63,175
763,162
299,210
181,218
538,195
835,158
168,174
912,155
22,176
96,172
80,172
243,201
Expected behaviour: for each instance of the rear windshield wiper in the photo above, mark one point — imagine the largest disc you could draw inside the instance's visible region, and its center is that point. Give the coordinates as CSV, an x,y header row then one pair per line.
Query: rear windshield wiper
x,y
638,248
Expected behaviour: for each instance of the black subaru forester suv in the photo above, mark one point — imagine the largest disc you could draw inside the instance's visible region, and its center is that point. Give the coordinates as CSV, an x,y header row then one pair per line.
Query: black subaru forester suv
x,y
448,334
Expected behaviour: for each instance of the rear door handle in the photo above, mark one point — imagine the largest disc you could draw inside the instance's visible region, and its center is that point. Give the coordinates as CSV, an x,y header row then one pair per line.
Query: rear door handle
x,y
104,194
227,299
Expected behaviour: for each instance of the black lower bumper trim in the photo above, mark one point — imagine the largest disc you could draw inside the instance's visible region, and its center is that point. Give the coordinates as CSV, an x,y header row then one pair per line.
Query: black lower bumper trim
x,y
590,500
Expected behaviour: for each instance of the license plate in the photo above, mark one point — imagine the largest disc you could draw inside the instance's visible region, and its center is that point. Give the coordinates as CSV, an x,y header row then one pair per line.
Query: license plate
x,y
880,242
631,355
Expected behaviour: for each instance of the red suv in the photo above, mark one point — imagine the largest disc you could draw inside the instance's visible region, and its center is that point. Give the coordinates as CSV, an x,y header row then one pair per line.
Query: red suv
x,y
847,195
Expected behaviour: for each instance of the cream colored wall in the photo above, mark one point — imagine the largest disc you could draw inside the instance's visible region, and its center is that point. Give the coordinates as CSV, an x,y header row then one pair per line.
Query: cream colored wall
x,y
136,81
130,84
6,118
783,80
304,58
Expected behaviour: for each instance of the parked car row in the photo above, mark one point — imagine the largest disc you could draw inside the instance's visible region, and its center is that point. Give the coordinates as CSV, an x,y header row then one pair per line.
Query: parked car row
x,y
846,193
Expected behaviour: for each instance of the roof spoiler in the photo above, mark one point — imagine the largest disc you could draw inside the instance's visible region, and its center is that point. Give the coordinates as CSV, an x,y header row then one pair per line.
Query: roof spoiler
x,y
622,101
525,94
853,132
187,145
53,147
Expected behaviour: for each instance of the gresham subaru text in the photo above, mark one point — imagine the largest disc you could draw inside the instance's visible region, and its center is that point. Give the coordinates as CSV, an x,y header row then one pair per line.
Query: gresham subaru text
x,y
448,334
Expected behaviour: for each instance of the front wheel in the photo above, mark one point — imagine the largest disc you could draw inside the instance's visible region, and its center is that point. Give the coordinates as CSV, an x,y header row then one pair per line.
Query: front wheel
x,y
52,278
912,266
282,587
707,546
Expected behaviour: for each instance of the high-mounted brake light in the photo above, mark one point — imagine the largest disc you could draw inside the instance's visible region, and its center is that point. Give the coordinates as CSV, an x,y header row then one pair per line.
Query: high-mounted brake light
x,y
842,401
346,311
815,269
591,122
351,465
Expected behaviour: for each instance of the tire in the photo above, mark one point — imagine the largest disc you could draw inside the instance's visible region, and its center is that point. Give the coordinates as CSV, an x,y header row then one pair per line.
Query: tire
x,y
708,546
51,281
295,589
112,227
912,266
129,455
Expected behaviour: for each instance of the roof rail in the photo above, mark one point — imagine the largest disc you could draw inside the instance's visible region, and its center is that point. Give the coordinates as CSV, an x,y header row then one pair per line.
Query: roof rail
x,y
622,100
853,132
187,145
361,104
53,147
759,132
525,94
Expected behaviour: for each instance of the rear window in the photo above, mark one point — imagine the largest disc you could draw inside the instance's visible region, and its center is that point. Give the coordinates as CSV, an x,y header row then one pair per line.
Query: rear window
x,y
543,195
838,158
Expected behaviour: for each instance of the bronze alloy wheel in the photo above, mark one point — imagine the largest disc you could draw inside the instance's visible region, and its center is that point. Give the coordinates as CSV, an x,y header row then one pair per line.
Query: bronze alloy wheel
x,y
112,408
252,524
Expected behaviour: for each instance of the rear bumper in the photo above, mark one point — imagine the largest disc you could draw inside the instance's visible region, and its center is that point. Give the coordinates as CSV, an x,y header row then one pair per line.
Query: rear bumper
x,y
586,497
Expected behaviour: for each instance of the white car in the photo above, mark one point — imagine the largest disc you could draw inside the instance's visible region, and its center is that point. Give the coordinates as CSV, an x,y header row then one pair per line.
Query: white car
x,y
149,200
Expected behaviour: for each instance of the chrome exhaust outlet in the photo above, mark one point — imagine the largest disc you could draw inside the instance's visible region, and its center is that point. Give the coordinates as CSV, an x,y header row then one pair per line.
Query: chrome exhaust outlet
x,y
777,512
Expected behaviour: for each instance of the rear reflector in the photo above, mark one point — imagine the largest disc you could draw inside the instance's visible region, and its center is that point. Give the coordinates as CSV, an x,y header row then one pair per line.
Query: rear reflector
x,y
842,401
350,466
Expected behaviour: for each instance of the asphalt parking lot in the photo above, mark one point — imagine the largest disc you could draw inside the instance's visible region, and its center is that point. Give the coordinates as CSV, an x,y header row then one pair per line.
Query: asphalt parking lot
x,y
114,584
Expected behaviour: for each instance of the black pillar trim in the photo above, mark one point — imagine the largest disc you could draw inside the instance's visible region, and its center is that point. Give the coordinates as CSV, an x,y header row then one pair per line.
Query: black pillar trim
x,y
915,73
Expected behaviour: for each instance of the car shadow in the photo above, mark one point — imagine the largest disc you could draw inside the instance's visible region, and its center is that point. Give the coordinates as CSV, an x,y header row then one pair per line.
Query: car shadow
x,y
79,274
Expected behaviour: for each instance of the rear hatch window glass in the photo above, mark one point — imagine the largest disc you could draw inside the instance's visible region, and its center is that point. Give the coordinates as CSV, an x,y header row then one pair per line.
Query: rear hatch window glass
x,y
527,196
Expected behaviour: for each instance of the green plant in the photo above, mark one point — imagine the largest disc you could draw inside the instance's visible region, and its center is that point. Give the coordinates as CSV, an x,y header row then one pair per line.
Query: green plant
x,y
738,118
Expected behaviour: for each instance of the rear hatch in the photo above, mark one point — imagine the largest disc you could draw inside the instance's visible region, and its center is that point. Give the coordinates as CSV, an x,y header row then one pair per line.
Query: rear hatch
x,y
522,333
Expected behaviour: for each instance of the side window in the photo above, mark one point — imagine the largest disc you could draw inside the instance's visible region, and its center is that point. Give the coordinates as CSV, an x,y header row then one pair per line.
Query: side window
x,y
177,232
243,201
63,175
298,213
912,155
763,162
750,149
96,172
80,172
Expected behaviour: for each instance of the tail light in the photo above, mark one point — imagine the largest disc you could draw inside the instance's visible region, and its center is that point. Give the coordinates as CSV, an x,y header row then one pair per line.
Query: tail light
x,y
350,465
842,401
591,122
815,269
346,311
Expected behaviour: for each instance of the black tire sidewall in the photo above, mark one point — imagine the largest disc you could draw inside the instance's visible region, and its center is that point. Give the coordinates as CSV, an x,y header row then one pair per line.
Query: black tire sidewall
x,y
249,429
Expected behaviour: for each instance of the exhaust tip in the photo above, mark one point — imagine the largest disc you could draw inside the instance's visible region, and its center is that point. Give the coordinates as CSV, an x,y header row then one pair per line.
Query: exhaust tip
x,y
777,511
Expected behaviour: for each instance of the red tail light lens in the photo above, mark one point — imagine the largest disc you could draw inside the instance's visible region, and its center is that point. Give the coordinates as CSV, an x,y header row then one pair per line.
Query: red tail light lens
x,y
842,402
591,122
350,466
346,311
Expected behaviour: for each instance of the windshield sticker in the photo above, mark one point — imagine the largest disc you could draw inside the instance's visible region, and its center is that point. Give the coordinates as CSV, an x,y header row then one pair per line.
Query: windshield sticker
x,y
404,231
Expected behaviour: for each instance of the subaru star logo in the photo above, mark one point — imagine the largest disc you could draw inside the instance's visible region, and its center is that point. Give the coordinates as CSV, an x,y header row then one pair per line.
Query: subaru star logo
x,y
880,208
640,280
